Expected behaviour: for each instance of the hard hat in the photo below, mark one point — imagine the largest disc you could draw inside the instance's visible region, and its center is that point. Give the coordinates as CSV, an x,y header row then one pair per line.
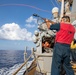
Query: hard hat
x,y
55,9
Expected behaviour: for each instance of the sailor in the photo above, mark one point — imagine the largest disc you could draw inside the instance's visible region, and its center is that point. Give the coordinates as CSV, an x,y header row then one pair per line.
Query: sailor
x,y
55,12
61,52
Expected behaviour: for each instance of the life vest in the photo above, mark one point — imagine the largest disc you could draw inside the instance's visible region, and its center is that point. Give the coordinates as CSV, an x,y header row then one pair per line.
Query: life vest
x,y
65,34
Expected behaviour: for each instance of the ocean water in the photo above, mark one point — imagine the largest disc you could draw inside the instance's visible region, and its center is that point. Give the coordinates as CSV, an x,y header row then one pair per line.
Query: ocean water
x,y
10,60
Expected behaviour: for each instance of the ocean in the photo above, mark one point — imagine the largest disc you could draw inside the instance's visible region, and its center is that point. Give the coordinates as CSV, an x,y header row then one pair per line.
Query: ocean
x,y
11,58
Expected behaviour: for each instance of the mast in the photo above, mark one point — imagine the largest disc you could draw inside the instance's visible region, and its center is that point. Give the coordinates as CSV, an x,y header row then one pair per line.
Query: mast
x,y
62,8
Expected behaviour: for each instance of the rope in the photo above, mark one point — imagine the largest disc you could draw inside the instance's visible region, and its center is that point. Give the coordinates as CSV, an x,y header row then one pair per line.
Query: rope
x,y
52,3
35,59
22,65
27,6
57,3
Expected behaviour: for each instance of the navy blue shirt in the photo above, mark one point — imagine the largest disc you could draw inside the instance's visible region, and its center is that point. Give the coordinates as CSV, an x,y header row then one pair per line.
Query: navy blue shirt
x,y
55,26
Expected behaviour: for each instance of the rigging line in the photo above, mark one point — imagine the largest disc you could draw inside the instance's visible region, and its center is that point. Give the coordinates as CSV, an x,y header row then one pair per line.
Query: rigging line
x,y
57,3
26,5
52,3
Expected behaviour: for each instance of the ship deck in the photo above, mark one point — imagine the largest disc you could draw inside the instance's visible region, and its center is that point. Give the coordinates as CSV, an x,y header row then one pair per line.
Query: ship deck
x,y
32,69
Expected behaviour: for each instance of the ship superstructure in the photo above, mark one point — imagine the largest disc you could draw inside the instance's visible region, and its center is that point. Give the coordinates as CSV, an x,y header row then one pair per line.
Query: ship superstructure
x,y
42,61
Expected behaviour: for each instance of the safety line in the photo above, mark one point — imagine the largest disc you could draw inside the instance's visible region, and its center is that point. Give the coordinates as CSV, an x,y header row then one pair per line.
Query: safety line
x,y
26,5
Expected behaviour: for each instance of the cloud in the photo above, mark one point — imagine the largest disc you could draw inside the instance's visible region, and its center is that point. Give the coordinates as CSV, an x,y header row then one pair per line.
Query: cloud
x,y
30,26
31,19
31,22
12,31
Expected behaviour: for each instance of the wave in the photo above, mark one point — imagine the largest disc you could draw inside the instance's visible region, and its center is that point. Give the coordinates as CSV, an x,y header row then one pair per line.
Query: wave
x,y
11,70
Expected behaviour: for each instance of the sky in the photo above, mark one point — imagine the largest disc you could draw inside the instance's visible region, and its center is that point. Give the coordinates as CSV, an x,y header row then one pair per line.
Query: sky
x,y
17,25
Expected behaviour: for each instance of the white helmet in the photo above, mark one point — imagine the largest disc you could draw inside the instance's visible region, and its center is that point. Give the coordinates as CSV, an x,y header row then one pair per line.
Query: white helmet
x,y
55,9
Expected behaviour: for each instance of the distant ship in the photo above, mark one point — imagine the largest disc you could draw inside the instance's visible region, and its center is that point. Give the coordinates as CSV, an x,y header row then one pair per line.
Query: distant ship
x,y
41,64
